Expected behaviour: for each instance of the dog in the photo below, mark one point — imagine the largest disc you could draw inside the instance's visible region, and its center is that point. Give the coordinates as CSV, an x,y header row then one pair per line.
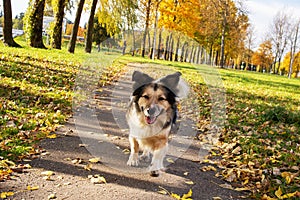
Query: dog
x,y
152,115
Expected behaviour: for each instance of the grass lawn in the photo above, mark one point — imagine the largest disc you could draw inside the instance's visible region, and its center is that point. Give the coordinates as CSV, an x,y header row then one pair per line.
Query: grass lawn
x,y
257,115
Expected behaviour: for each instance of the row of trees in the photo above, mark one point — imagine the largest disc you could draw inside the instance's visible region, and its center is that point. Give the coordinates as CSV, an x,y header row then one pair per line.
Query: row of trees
x,y
212,31
279,51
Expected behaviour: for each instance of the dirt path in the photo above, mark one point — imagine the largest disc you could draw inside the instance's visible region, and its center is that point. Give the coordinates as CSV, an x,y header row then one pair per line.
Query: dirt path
x,y
98,129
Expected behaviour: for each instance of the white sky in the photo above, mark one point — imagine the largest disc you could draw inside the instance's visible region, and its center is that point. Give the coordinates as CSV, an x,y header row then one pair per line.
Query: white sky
x,y
261,12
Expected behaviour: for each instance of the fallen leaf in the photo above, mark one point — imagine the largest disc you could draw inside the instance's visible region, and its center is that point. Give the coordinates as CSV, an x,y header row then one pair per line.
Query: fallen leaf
x,y
52,136
47,173
97,179
4,195
94,160
83,145
88,167
169,160
226,186
189,182
217,198
187,195
208,168
288,177
278,193
266,197
76,161
186,173
52,196
31,188
126,151
162,192
176,196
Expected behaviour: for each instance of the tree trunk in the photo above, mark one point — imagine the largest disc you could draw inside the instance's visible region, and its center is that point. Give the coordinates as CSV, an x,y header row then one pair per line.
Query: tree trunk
x,y
177,49
293,51
7,25
171,44
36,24
166,53
182,53
159,45
155,31
89,35
133,42
146,27
191,55
223,42
58,22
186,54
73,39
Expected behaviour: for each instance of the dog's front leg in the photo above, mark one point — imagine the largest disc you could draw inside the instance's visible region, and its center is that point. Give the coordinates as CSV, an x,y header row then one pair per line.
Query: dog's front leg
x,y
157,160
134,151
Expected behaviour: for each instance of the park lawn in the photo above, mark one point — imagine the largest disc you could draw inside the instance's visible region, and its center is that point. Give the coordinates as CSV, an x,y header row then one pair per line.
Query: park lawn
x,y
36,93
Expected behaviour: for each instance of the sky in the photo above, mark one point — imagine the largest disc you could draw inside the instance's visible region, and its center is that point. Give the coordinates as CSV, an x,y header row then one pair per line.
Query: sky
x,y
261,13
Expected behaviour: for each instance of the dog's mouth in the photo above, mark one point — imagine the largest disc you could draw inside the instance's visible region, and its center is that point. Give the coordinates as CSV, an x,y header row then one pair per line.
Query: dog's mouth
x,y
150,119
151,114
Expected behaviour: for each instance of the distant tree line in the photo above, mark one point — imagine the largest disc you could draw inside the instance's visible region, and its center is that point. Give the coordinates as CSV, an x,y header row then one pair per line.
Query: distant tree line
x,y
215,32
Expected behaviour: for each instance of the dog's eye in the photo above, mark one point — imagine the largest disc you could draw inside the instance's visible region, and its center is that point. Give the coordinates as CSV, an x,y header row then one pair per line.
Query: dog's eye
x,y
145,96
161,99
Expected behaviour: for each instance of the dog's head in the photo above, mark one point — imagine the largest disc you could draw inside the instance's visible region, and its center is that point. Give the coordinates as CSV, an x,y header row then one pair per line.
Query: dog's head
x,y
156,99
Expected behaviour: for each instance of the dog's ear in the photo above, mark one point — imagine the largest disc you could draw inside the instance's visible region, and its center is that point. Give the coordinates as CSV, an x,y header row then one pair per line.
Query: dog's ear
x,y
176,84
171,81
140,79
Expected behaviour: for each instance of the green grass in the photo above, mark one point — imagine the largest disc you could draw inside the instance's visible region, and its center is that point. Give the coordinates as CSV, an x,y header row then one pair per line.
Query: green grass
x,y
36,93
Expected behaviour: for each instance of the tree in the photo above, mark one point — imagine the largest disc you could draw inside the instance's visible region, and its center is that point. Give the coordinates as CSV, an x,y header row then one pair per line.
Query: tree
x,y
279,37
147,21
7,25
99,32
56,32
285,67
72,43
89,35
293,40
263,57
33,23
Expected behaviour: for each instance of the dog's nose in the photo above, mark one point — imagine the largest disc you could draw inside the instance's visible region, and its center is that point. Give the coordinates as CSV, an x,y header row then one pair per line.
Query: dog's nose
x,y
151,110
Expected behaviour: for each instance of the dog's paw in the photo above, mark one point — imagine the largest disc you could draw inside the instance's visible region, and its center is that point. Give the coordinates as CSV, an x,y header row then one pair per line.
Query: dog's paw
x,y
133,160
145,158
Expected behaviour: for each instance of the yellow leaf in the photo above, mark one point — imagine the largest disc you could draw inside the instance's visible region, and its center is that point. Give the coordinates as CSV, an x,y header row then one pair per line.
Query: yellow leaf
x,y
185,173
289,195
52,136
170,160
278,193
47,173
31,188
97,179
162,192
88,167
126,151
288,177
4,195
266,197
187,195
189,182
176,196
94,160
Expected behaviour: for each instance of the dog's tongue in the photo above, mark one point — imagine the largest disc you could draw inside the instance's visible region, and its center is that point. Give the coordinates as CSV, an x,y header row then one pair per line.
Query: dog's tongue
x,y
150,119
